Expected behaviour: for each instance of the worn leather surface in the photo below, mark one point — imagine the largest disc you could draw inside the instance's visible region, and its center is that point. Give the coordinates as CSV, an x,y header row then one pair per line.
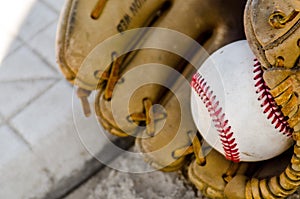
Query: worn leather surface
x,y
272,29
210,178
78,33
268,41
211,29
212,23
173,132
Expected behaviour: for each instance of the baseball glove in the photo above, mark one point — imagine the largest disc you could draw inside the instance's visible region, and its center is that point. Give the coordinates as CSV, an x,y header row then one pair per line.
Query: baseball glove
x,y
140,75
168,133
272,29
84,25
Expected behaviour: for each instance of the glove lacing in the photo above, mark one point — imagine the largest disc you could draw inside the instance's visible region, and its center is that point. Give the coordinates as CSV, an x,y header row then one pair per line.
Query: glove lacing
x,y
110,76
282,185
98,9
148,117
195,147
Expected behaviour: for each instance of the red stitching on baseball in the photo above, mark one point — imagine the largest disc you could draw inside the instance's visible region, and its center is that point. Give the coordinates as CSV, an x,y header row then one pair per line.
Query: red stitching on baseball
x,y
268,103
221,123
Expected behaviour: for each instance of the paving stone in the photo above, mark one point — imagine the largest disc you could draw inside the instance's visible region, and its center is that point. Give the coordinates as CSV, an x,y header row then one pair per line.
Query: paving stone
x,y
111,183
48,125
44,43
55,153
24,177
47,113
38,18
57,4
10,145
15,44
8,43
23,64
19,168
17,95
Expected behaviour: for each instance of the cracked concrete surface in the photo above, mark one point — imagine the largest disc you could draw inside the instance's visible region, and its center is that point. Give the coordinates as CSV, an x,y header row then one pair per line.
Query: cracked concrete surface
x,y
111,183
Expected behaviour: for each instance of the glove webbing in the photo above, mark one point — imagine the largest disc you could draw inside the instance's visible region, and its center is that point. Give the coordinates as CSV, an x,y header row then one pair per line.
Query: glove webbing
x,y
278,186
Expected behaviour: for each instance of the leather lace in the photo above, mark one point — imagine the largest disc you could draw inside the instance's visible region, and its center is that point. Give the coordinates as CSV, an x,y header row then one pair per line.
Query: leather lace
x,y
98,9
83,95
148,117
195,147
110,76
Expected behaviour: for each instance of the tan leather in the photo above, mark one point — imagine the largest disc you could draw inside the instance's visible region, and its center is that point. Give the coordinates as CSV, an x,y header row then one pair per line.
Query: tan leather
x,y
210,178
284,87
236,188
214,24
272,29
173,132
213,32
266,179
256,181
78,33
128,95
178,129
279,177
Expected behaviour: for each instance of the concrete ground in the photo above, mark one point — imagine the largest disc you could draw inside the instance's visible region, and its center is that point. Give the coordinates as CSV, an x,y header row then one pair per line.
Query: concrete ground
x,y
111,183
40,146
151,185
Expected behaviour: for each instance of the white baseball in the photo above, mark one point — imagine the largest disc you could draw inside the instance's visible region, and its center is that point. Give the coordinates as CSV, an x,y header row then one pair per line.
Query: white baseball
x,y
233,109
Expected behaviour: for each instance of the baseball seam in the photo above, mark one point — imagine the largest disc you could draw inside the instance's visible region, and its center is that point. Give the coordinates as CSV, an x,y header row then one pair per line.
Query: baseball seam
x,y
230,148
268,103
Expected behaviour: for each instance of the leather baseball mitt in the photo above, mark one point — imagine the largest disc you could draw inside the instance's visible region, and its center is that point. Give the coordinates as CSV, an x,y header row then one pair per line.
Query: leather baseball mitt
x,y
272,29
139,56
157,110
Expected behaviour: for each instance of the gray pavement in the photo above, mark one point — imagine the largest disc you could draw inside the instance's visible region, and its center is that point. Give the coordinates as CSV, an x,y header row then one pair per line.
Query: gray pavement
x,y
111,183
40,147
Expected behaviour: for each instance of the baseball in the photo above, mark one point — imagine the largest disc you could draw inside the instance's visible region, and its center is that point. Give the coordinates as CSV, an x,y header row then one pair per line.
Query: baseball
x,y
233,109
